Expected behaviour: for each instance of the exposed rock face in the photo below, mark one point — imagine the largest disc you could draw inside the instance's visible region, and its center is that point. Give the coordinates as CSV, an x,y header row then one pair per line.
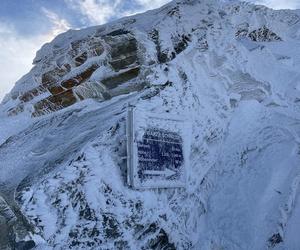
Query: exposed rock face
x,y
262,34
234,77
13,229
101,226
73,72
99,64
5,211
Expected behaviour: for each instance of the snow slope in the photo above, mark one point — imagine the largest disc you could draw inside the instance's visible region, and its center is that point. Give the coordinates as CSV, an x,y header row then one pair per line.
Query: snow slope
x,y
233,70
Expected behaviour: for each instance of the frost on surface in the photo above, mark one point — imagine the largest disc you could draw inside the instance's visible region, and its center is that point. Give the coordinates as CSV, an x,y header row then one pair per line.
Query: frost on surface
x,y
103,214
158,150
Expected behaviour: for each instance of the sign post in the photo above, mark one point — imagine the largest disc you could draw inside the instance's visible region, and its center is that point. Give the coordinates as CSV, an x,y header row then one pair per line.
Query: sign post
x,y
157,150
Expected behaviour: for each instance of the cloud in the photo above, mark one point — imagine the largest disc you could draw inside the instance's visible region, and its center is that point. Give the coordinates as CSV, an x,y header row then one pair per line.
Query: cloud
x,y
101,11
151,4
96,11
59,25
16,59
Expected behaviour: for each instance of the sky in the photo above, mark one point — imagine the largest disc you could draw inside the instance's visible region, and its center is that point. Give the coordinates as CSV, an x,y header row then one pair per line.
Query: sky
x,y
25,25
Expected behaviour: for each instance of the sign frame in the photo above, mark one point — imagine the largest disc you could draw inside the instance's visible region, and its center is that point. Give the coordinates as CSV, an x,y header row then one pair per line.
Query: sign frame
x,y
132,150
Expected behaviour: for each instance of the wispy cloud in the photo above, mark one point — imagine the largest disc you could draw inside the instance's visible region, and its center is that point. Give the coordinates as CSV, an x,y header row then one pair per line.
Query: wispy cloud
x,y
59,25
151,4
96,11
101,11
16,59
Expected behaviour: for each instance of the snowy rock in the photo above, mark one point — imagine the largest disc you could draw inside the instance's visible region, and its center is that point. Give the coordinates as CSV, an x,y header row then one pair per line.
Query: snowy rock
x,y
232,69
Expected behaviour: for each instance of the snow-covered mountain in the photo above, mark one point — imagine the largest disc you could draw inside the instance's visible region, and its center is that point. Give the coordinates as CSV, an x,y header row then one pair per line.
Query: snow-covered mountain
x,y
231,69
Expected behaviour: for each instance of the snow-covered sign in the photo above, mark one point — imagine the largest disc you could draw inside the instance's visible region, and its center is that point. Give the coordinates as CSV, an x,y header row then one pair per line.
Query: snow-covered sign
x,y
157,150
